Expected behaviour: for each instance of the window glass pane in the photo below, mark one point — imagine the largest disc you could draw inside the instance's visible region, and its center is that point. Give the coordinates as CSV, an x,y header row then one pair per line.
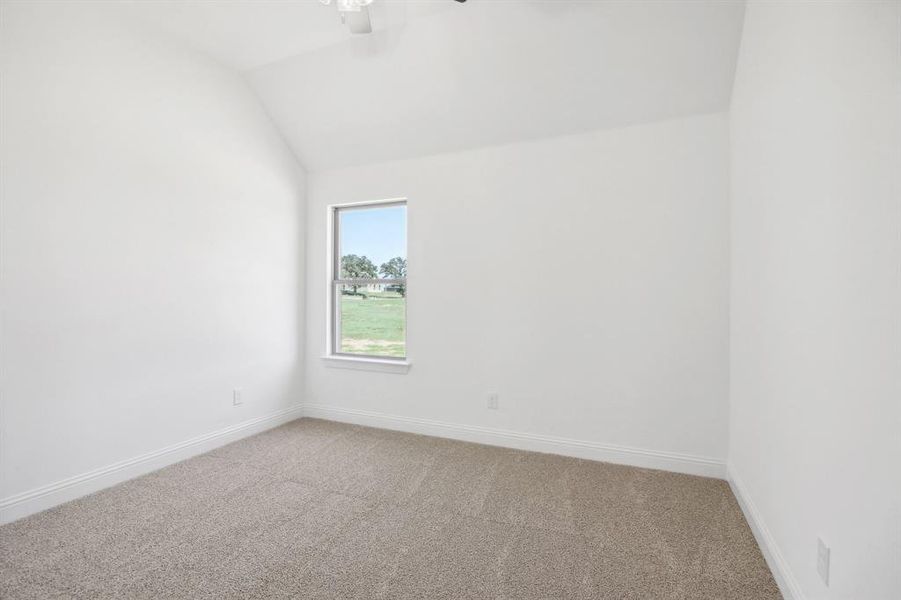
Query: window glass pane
x,y
371,320
373,242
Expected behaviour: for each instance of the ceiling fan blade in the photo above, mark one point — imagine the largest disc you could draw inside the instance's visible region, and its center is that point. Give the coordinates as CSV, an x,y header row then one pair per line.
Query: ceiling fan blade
x,y
358,21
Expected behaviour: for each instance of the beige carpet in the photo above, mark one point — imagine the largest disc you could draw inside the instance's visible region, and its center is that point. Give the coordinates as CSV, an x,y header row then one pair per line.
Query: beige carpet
x,y
315,509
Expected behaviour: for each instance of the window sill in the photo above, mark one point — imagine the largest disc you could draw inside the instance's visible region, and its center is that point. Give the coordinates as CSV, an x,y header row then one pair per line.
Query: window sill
x,y
366,364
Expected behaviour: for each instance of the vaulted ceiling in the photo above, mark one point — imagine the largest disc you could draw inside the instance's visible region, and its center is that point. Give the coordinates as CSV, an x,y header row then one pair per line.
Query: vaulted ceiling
x,y
438,76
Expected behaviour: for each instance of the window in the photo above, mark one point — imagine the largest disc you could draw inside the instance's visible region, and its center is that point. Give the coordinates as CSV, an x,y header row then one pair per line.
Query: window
x,y
368,296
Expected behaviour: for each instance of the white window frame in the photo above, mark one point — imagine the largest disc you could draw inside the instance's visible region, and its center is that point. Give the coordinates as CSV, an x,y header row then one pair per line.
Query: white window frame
x,y
333,357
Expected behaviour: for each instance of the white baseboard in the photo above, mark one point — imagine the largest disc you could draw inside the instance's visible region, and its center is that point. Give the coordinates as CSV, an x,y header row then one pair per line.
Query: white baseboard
x,y
786,581
42,498
652,459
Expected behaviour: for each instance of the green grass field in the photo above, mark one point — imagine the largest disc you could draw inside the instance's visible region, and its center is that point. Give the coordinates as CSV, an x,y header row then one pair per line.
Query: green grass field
x,y
374,325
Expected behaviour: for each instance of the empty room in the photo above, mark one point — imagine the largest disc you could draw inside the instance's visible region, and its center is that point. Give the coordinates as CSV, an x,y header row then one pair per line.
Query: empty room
x,y
450,299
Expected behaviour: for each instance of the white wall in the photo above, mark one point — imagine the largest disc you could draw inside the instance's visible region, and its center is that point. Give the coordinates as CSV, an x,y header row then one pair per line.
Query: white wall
x,y
816,290
582,278
152,226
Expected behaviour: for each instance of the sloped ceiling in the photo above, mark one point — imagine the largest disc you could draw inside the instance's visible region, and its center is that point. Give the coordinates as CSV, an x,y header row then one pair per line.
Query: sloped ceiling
x,y
438,76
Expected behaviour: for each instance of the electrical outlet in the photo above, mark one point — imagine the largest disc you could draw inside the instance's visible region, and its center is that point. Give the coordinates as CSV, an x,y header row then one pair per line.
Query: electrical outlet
x,y
493,401
236,397
823,553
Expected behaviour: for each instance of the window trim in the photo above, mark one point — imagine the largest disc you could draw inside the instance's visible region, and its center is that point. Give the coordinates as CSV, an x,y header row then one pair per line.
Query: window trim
x,y
332,356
